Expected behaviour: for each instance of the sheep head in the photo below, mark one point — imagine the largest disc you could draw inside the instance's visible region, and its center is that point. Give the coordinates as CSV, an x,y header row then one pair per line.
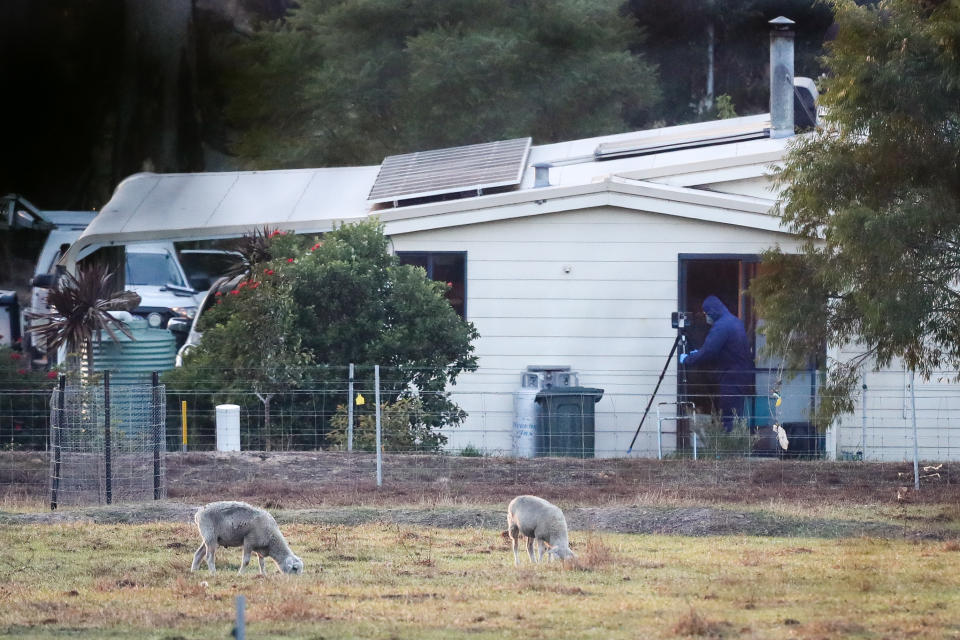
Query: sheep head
x,y
561,553
292,564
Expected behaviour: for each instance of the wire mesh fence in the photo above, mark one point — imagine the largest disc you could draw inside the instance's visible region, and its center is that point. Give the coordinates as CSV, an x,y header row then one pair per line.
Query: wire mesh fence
x,y
490,416
107,443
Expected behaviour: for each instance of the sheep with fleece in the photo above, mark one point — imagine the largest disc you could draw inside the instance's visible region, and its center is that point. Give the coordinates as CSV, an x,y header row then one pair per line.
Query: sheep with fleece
x,y
238,524
538,520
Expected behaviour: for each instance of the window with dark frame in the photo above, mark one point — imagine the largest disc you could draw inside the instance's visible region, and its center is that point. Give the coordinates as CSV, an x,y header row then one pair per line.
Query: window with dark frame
x,y
449,267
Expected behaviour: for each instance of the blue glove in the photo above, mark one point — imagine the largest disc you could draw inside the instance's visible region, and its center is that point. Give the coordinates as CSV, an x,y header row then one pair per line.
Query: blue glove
x,y
683,356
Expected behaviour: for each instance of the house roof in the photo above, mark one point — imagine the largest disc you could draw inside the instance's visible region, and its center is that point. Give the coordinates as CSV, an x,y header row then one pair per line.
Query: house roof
x,y
676,171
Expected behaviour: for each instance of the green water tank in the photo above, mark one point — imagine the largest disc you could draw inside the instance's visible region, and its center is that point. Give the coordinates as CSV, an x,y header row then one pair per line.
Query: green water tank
x,y
134,361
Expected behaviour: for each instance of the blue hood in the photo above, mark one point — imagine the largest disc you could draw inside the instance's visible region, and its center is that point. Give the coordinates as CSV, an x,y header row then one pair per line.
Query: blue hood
x,y
714,308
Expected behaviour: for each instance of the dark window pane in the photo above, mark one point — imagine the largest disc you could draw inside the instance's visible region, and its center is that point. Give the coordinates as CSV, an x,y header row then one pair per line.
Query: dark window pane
x,y
449,268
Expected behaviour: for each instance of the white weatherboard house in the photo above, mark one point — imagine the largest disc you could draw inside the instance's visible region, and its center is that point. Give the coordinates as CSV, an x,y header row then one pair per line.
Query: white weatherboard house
x,y
571,254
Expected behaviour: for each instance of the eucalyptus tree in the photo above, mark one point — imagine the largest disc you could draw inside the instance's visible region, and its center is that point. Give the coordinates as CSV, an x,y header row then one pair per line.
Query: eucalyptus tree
x,y
876,194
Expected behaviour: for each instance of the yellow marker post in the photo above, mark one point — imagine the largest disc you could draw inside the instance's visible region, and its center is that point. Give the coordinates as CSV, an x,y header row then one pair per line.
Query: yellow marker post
x,y
183,420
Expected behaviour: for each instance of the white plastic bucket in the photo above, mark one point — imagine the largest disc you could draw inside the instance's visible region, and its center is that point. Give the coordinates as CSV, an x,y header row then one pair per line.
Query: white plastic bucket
x,y
228,427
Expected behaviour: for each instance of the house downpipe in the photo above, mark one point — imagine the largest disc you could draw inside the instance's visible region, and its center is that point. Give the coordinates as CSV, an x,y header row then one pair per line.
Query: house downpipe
x,y
781,77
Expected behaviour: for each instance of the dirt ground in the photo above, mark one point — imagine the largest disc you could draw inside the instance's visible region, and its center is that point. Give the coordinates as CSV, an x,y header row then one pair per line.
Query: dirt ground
x,y
705,497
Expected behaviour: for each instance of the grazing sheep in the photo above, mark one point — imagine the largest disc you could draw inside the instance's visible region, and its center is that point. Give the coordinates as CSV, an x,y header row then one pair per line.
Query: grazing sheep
x,y
538,520
236,524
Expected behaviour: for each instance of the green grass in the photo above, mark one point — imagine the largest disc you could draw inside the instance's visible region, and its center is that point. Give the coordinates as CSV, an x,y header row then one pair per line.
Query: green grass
x,y
390,581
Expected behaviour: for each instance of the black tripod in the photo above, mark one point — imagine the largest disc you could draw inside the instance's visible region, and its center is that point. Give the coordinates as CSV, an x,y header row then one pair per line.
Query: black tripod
x,y
679,320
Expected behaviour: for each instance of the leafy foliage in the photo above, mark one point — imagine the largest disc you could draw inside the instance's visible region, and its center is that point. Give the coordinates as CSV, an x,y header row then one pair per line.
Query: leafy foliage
x,y
876,195
316,306
81,307
402,428
24,401
350,81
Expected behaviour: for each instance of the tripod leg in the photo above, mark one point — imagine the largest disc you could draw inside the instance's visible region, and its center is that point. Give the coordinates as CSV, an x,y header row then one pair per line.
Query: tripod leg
x,y
666,366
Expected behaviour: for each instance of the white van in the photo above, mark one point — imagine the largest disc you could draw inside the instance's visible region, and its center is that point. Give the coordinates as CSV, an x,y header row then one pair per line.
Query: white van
x,y
152,271
156,275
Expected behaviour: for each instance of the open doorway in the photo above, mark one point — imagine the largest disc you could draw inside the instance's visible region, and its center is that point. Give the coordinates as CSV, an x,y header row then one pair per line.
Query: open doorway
x,y
728,277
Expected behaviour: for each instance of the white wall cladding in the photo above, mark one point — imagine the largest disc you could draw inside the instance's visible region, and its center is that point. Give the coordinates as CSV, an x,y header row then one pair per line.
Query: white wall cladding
x,y
881,427
592,289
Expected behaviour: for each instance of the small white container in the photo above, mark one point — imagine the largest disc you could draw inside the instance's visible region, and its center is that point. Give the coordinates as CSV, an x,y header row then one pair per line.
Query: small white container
x,y
228,427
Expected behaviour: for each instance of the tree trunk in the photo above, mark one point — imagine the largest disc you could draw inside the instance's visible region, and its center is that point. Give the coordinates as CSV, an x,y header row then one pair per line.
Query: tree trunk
x,y
265,399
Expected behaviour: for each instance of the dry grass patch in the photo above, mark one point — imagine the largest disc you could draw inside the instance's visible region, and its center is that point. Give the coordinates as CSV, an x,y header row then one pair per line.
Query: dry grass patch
x,y
694,624
595,554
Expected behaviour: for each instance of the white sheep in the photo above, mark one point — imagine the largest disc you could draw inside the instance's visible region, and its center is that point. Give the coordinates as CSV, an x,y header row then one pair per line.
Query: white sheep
x,y
238,524
538,520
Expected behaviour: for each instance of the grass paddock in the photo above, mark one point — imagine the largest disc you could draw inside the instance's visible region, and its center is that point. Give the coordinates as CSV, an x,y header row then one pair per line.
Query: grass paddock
x,y
380,580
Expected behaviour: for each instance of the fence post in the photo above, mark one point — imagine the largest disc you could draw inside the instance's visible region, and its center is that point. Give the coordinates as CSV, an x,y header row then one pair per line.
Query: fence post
x,y
107,453
61,418
863,411
240,626
155,424
183,420
916,452
376,396
350,410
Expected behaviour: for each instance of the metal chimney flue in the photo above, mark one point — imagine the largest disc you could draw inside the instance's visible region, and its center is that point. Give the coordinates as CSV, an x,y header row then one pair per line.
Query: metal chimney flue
x,y
781,77
541,176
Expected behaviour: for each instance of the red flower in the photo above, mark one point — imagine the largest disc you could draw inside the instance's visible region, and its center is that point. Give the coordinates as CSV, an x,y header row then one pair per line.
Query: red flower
x,y
254,285
15,356
289,259
234,292
450,284
219,301
242,284
269,272
217,294
22,372
51,374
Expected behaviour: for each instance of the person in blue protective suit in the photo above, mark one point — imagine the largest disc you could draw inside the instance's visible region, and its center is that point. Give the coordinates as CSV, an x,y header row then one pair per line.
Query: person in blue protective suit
x,y
727,351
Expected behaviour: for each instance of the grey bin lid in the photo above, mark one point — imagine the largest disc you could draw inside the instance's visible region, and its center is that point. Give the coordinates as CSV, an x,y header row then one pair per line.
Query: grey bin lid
x,y
571,391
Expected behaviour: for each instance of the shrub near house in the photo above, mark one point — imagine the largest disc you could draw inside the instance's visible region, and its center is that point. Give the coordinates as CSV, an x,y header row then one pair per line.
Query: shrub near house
x,y
307,310
24,401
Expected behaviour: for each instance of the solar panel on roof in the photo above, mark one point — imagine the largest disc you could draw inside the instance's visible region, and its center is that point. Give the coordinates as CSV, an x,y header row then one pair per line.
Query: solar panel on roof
x,y
452,170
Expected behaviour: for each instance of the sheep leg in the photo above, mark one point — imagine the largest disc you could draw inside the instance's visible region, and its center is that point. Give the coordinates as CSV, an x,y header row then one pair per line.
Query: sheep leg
x,y
514,533
260,560
246,559
211,554
530,550
197,557
540,550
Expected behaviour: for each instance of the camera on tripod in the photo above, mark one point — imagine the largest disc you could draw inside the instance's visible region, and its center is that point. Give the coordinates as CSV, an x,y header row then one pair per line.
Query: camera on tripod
x,y
681,319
